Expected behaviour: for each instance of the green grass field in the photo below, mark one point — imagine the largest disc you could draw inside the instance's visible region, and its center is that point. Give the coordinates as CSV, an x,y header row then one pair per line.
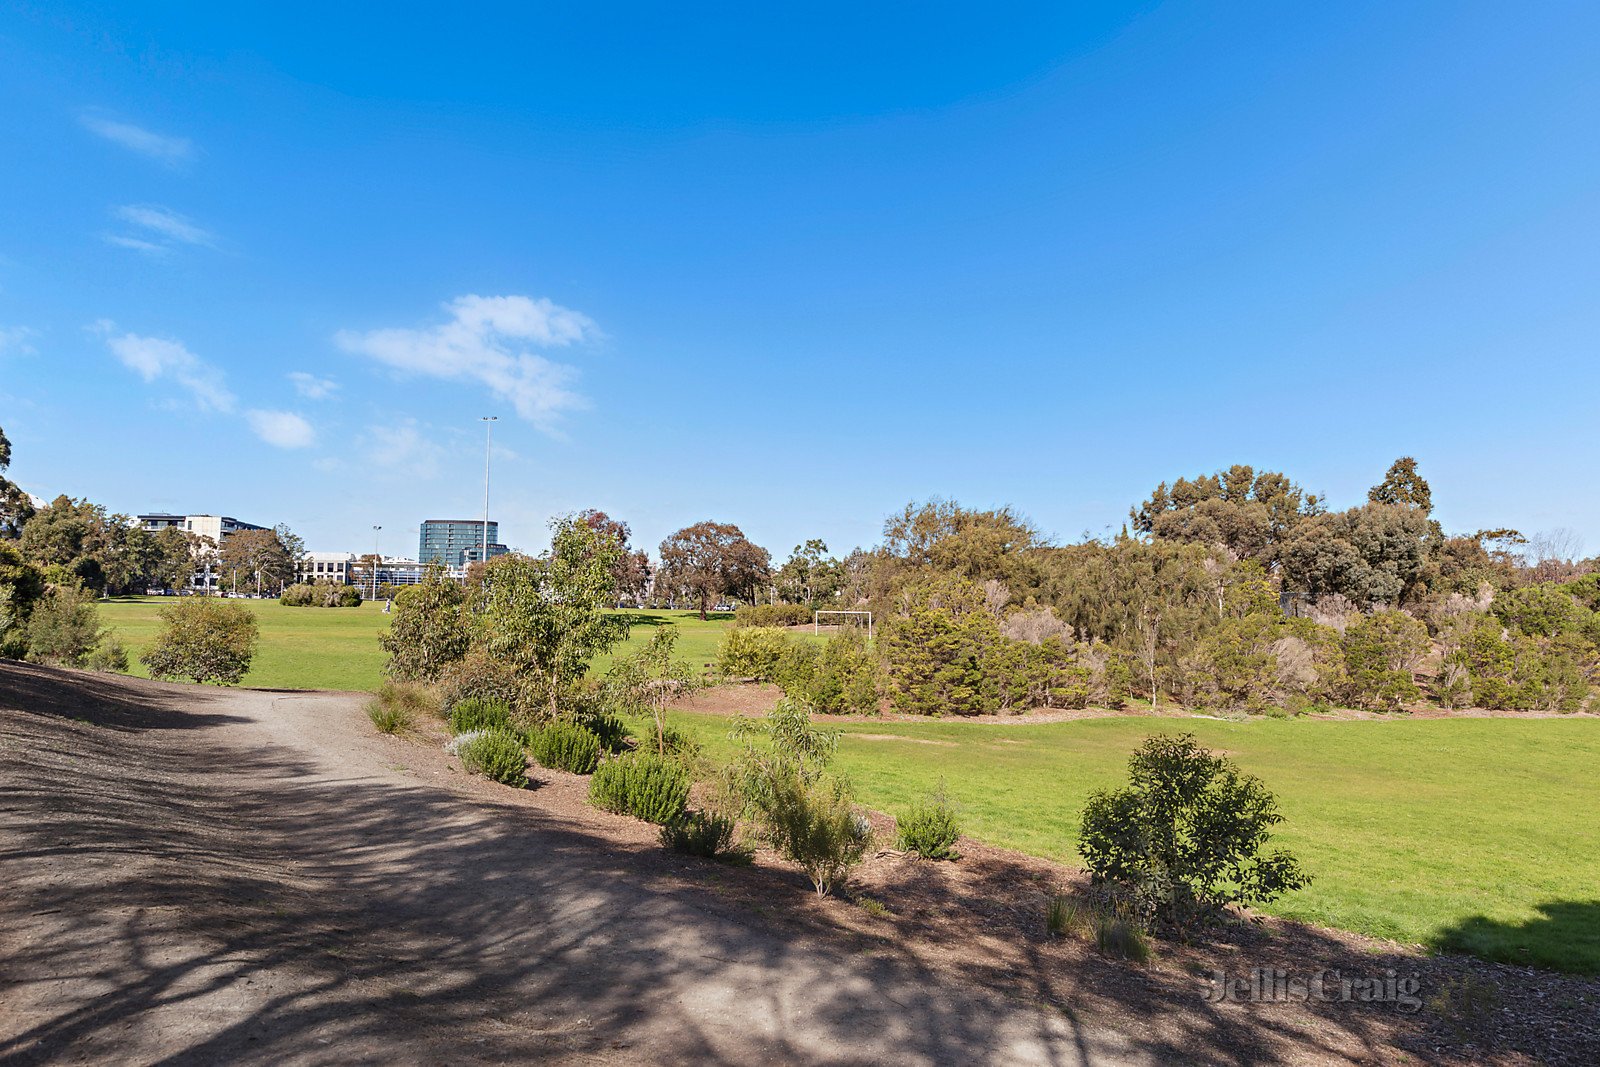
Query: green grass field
x,y
337,648
1478,835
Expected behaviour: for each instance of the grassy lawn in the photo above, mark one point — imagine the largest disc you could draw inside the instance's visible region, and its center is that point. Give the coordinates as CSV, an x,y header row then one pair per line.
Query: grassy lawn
x,y
337,648
1478,835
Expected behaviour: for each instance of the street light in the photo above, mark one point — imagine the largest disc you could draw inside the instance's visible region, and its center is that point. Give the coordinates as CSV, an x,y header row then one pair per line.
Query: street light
x,y
488,437
375,558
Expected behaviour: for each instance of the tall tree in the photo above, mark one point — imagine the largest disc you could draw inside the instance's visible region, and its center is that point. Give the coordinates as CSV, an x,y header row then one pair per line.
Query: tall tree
x,y
632,571
1404,486
256,557
710,560
810,575
1250,514
15,507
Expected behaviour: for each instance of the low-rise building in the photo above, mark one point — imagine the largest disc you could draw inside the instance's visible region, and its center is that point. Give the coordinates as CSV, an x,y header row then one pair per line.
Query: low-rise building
x,y
214,528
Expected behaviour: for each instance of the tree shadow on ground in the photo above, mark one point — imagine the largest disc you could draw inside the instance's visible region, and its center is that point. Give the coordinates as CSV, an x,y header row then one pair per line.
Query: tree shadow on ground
x,y
1566,931
176,897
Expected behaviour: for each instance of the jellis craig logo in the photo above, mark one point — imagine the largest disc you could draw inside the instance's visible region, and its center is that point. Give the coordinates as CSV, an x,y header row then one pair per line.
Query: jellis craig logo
x,y
1274,985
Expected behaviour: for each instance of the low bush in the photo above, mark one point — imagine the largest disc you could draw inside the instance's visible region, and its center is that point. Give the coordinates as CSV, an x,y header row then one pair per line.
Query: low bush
x,y
699,833
642,784
565,746
108,657
389,718
477,676
814,825
64,627
497,755
1118,935
752,652
398,705
477,713
324,594
1063,917
841,676
204,639
930,828
771,615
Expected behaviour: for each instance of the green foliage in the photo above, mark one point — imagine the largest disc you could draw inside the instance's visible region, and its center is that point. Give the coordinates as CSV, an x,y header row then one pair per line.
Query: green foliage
x,y
650,679
1117,934
478,677
1514,671
63,627
934,654
1236,665
1402,485
565,746
1063,917
767,615
1375,555
430,628
21,584
782,744
1184,840
546,618
1380,652
398,705
813,823
108,657
840,676
643,784
752,652
1544,610
929,828
389,718
497,755
710,560
479,713
204,639
323,594
1251,513
707,834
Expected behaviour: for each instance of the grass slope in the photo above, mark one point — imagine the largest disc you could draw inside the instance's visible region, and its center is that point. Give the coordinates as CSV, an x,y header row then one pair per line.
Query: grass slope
x,y
337,648
1475,835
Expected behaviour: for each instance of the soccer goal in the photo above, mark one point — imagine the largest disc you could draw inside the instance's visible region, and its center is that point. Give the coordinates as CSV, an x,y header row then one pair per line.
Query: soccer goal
x,y
851,618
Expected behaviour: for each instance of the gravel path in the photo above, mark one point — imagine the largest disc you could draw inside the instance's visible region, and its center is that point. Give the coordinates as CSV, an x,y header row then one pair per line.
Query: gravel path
x,y
207,876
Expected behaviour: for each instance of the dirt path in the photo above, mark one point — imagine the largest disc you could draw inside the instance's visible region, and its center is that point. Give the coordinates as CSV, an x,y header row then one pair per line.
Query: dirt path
x,y
207,876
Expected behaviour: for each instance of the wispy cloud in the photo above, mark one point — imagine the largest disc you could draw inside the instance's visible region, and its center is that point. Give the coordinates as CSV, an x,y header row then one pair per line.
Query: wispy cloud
x,y
403,447
284,429
167,149
16,341
162,359
311,387
159,230
154,358
487,340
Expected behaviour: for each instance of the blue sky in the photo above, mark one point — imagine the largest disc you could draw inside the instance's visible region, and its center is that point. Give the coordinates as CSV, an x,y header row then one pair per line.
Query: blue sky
x,y
792,270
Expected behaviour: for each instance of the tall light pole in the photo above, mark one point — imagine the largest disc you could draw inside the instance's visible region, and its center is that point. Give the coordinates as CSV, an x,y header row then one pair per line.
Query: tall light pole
x,y
375,558
488,439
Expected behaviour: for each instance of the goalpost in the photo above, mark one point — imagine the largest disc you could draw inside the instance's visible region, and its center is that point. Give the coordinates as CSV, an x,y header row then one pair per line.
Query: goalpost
x,y
816,620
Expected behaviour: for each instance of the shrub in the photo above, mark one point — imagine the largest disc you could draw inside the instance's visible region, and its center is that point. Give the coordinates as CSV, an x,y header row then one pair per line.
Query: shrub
x,y
752,652
1117,934
699,833
476,676
21,584
642,784
496,754
840,676
814,825
205,639
108,657
1184,840
930,829
1380,652
429,628
64,626
771,615
323,594
1062,916
389,718
477,713
565,746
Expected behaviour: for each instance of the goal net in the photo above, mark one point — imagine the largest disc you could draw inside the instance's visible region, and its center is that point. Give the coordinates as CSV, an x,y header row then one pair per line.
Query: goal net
x,y
839,620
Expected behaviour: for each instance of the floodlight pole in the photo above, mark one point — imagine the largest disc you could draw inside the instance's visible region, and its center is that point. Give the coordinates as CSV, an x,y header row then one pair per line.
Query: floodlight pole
x,y
375,558
488,439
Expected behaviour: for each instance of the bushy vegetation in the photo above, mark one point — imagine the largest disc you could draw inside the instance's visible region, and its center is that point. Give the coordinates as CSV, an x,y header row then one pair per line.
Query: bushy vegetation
x,y
496,754
929,828
841,676
324,594
699,833
643,784
1184,840
752,652
772,615
479,713
398,705
63,628
204,639
565,746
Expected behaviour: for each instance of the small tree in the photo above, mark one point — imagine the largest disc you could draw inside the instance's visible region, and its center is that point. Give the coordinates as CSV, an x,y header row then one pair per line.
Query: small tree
x,y
1380,652
652,678
1184,840
64,626
204,639
431,629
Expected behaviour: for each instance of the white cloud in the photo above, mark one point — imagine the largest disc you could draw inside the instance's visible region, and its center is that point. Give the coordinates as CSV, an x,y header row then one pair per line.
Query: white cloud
x,y
135,243
486,341
284,429
403,447
165,223
155,358
169,150
16,341
311,387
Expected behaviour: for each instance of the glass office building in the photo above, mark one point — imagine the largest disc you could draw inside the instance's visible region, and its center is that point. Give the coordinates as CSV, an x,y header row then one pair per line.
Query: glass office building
x,y
456,542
